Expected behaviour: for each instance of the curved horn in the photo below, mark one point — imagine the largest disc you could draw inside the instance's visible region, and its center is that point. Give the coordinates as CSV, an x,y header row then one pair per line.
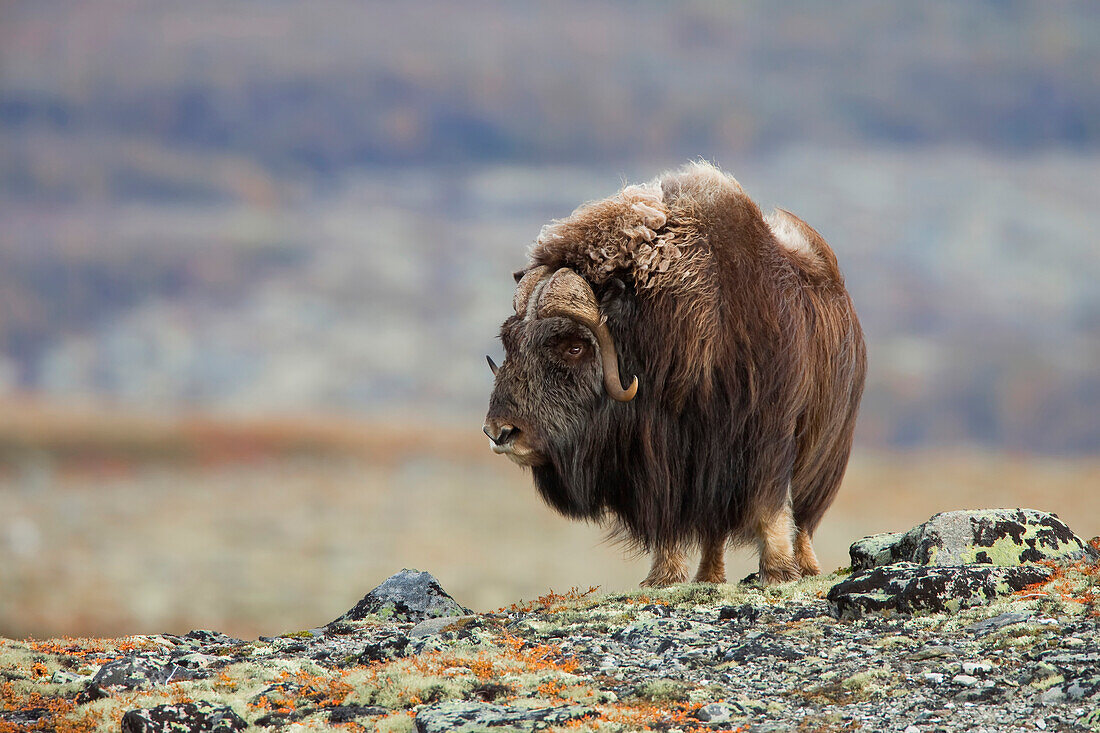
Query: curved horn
x,y
568,295
492,364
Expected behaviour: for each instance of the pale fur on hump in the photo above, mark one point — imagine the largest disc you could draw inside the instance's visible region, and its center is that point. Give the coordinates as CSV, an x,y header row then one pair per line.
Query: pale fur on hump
x,y
649,231
804,244
789,234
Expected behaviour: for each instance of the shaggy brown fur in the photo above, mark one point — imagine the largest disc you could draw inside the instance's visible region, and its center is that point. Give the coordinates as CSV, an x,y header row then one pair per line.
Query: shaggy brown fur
x,y
751,364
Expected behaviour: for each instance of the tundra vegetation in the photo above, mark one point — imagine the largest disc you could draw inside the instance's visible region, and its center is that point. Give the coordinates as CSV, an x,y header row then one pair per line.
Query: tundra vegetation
x,y
690,657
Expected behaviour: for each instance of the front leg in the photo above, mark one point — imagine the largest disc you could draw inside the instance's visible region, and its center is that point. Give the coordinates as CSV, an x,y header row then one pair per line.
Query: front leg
x,y
712,566
669,567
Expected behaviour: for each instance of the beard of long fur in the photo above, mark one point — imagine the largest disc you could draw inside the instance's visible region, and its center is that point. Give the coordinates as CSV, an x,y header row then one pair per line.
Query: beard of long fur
x,y
571,480
650,477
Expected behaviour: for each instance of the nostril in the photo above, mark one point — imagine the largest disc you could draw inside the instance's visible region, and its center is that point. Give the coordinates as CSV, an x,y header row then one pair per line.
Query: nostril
x,y
499,435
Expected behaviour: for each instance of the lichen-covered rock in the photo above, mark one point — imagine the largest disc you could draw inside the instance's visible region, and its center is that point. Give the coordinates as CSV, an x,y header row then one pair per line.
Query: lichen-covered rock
x,y
474,716
909,588
1005,537
184,718
409,595
715,712
1078,690
139,671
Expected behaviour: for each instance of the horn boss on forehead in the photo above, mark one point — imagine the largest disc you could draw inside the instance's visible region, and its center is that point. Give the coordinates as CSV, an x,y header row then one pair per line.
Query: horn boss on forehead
x,y
568,295
525,287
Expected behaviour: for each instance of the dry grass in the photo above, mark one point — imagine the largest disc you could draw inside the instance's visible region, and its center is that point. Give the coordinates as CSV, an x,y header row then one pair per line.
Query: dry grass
x,y
114,541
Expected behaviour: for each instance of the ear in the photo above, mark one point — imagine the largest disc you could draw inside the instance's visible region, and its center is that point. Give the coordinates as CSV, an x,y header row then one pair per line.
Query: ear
x,y
518,275
616,301
613,291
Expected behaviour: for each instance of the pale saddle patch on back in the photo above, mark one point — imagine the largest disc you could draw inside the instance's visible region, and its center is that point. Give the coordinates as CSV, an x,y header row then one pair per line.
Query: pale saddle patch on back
x,y
788,231
796,237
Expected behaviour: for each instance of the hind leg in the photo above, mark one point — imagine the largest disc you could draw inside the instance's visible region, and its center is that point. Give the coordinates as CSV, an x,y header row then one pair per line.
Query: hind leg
x,y
712,566
774,537
804,553
813,496
669,567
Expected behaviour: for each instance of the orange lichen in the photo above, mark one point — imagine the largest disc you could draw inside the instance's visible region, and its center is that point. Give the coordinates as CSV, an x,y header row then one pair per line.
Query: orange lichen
x,y
551,688
551,602
644,600
646,715
320,690
53,714
225,681
518,656
105,650
1063,584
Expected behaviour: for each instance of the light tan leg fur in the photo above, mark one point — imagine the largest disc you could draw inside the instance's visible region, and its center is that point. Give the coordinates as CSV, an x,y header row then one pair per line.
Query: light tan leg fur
x,y
712,566
774,536
804,553
669,567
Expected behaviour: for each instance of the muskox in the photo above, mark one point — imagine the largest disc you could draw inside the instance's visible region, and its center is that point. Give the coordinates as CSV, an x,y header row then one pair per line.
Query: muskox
x,y
744,365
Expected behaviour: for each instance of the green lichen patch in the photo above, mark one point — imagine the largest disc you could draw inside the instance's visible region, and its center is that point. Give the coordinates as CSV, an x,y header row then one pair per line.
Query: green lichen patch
x,y
663,690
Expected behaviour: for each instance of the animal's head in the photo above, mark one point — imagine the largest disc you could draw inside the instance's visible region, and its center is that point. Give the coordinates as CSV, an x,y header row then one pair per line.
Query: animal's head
x,y
561,366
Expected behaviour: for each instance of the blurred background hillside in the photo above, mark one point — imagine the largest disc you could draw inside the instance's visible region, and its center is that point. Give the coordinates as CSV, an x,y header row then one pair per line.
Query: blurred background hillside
x,y
252,254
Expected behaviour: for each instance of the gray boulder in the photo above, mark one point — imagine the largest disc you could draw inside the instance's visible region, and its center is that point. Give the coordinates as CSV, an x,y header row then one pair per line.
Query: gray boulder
x,y
1005,537
476,716
954,560
909,588
409,595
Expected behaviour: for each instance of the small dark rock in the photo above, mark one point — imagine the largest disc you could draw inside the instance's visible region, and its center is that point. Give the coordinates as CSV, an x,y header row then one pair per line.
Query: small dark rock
x,y
490,691
91,693
744,613
406,596
934,651
214,637
350,713
392,647
23,717
432,626
184,718
273,720
981,694
715,712
1008,618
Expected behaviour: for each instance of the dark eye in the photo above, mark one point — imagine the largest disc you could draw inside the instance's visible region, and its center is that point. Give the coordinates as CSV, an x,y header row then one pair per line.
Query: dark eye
x,y
573,349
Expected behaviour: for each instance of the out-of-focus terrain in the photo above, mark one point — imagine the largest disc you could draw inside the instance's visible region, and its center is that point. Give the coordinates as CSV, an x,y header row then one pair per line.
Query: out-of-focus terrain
x,y
252,254
259,207
253,528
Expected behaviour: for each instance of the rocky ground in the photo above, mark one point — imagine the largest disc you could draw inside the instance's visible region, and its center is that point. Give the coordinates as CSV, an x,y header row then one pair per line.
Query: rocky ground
x,y
972,621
